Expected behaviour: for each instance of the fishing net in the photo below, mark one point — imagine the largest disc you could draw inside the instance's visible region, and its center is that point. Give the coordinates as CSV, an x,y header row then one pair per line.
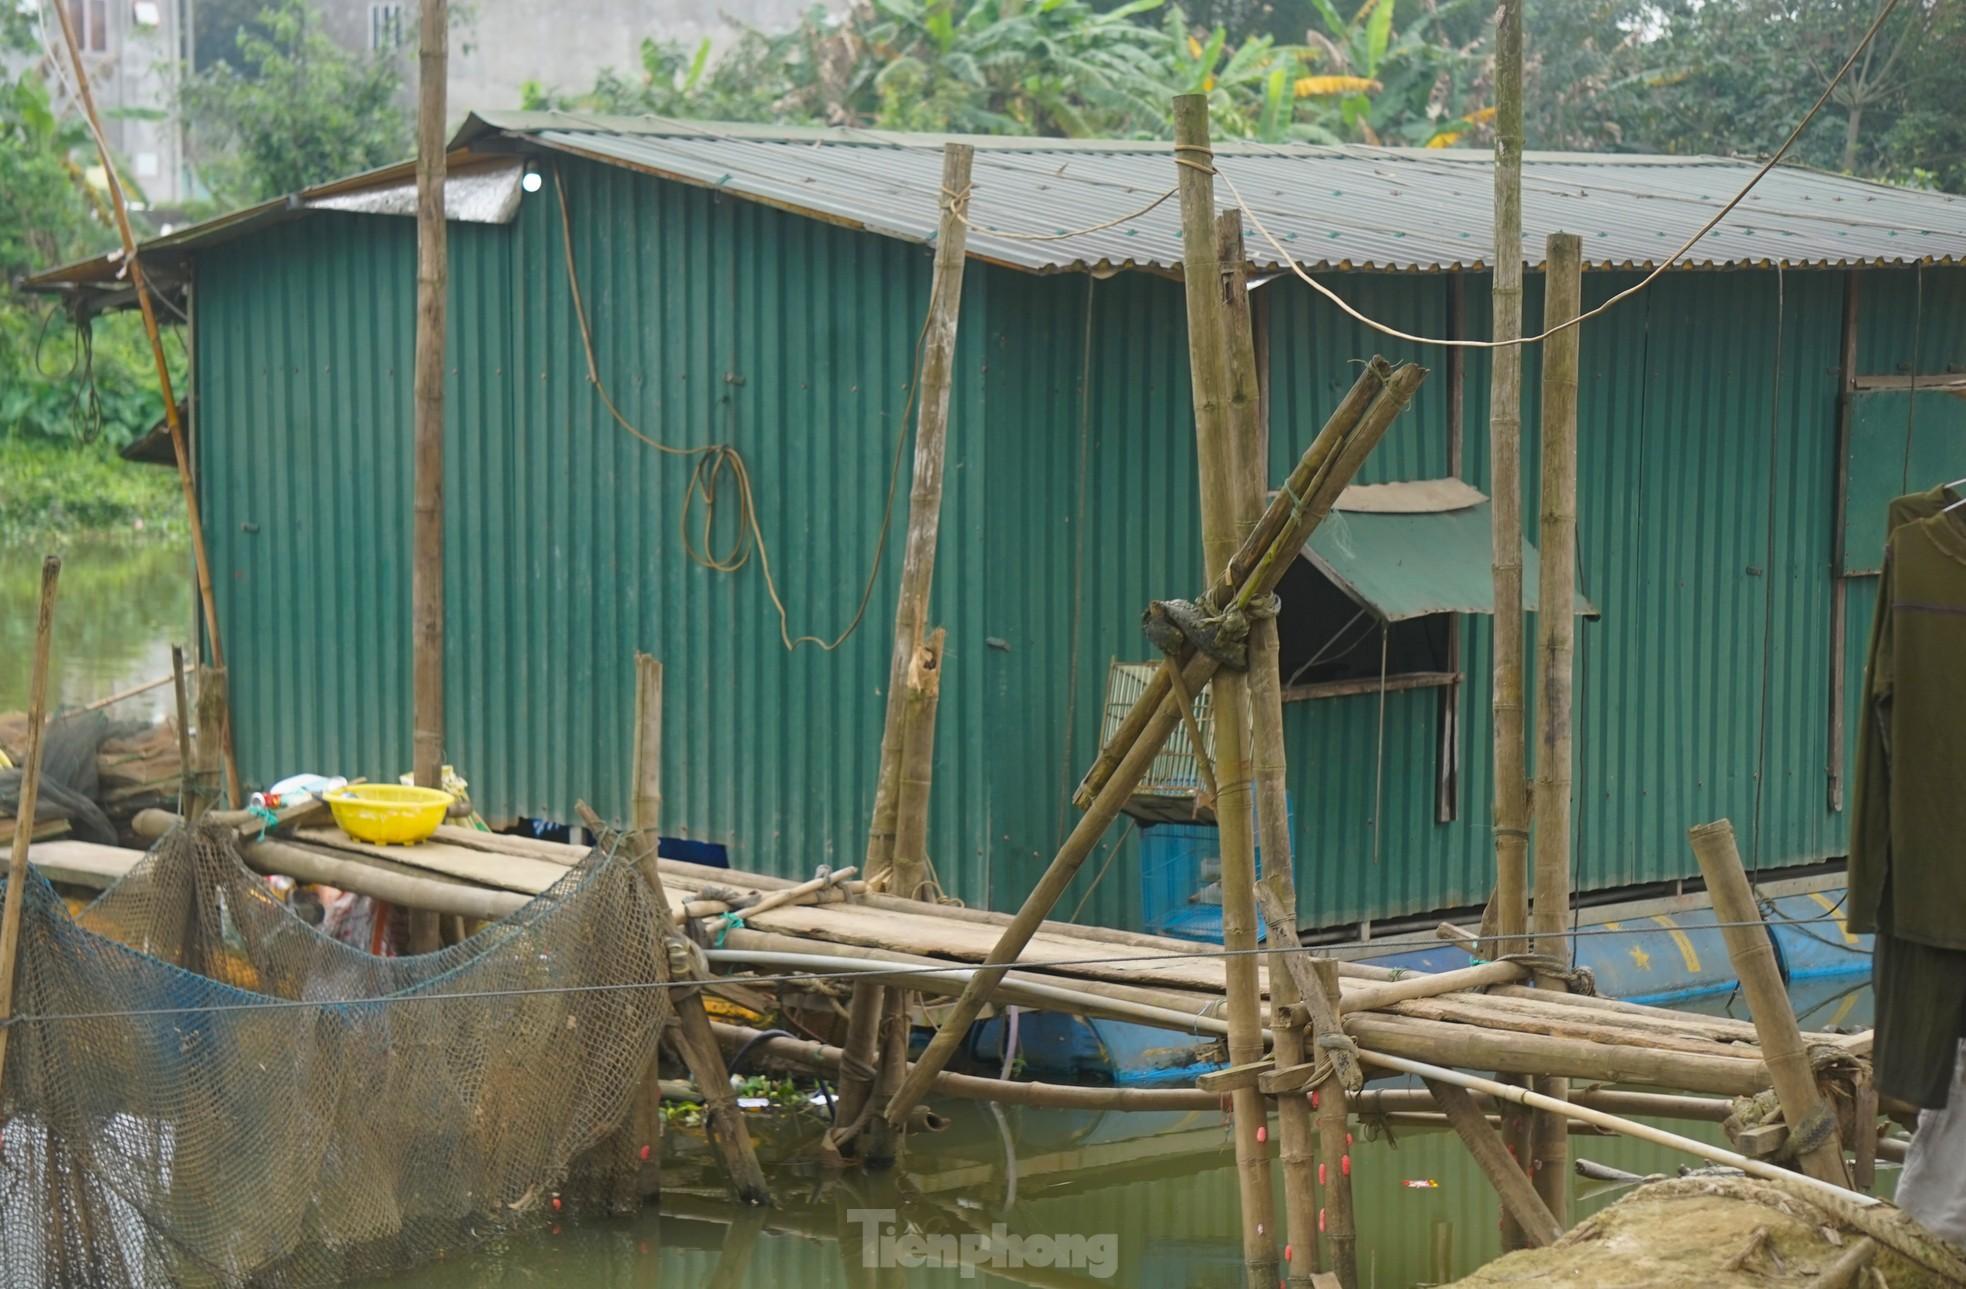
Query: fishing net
x,y
201,1089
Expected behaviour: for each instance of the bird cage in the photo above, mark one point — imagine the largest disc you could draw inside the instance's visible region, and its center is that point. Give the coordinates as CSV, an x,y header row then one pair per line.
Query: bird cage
x,y
1171,791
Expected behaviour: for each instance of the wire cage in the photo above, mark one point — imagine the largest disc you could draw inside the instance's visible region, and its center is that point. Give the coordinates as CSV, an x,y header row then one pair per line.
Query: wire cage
x,y
1171,791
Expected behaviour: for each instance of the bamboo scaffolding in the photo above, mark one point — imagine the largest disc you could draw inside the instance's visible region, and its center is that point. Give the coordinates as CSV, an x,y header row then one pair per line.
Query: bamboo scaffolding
x,y
1327,465
1296,1131
908,864
30,793
1218,397
427,398
1556,626
1804,1107
221,733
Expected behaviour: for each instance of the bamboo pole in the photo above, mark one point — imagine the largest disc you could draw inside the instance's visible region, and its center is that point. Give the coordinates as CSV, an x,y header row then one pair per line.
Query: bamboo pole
x,y
1219,471
1624,1127
1804,1107
1478,1047
639,1152
30,793
645,801
908,867
1335,1150
925,493
1556,624
191,796
723,1121
1431,984
180,452
1534,1218
870,1004
1296,1132
432,274
1326,467
1505,485
427,451
1511,790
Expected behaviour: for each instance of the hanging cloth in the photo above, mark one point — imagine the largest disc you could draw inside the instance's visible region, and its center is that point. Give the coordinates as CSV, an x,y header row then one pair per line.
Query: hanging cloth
x,y
1908,825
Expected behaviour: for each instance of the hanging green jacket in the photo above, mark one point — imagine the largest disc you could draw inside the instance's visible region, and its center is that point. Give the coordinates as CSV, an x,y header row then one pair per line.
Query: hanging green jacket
x,y
1909,820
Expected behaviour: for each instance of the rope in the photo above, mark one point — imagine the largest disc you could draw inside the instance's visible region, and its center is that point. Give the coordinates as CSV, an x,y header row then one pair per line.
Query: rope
x,y
1284,257
715,461
1579,979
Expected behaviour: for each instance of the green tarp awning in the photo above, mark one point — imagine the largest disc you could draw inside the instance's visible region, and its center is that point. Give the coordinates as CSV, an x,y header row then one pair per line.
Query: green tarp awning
x,y
1410,563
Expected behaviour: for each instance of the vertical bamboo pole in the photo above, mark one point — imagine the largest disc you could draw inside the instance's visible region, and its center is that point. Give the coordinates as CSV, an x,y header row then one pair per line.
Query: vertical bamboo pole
x,y
869,1002
925,493
1511,795
1505,487
180,449
1556,623
1296,1130
427,530
908,872
645,802
427,464
1804,1107
1220,475
30,792
191,793
643,1131
1335,1155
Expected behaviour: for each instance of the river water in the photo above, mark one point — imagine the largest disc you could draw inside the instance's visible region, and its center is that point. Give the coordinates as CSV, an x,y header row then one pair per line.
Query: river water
x,y
1135,1199
1145,1200
118,610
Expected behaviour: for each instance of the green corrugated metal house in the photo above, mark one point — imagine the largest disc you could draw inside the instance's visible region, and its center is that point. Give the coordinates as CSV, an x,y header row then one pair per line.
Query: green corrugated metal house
x,y
1743,421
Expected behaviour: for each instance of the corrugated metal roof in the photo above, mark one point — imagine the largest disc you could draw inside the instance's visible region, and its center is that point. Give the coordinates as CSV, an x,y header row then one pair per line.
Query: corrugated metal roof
x,y
1330,207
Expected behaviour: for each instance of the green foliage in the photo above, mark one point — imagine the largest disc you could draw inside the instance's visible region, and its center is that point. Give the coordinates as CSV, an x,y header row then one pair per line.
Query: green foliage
x,y
298,109
57,384
53,493
1053,67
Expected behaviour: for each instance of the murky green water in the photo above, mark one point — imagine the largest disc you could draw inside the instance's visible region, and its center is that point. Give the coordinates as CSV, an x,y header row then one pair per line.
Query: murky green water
x,y
118,611
1144,1200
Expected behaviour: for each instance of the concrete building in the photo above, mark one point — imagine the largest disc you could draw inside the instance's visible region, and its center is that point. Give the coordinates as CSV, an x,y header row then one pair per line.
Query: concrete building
x,y
131,49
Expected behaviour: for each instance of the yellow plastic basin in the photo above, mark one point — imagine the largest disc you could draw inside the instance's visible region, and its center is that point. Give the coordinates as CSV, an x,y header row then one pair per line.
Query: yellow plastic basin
x,y
389,813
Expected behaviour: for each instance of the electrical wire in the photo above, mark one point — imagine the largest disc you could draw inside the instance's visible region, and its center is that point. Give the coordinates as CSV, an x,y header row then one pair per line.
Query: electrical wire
x,y
1884,12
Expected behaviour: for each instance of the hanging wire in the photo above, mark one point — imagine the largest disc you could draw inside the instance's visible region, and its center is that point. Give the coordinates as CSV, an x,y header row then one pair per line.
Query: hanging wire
x,y
718,464
1284,257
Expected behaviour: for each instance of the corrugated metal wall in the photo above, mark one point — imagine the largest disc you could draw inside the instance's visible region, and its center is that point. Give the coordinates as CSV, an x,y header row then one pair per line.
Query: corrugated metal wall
x,y
714,320
1707,497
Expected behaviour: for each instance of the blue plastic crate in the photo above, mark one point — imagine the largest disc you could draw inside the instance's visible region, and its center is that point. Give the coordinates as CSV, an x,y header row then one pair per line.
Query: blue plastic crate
x,y
1178,863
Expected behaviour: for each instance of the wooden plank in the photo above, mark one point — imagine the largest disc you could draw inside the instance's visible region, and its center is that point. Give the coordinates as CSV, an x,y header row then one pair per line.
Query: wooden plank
x,y
82,863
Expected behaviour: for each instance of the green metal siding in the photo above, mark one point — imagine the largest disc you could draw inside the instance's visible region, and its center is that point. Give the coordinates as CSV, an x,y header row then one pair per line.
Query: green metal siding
x,y
713,320
1707,497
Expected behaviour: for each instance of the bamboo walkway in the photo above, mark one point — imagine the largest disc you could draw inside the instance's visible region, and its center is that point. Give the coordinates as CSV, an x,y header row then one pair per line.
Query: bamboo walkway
x,y
1479,1017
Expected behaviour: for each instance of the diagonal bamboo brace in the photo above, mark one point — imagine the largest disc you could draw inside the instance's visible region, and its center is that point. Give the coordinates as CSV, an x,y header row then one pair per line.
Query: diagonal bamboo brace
x,y
723,1121
1382,392
1322,1009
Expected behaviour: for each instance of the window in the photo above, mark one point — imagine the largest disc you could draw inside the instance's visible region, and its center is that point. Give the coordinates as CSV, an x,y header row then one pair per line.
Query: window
x,y
91,21
385,26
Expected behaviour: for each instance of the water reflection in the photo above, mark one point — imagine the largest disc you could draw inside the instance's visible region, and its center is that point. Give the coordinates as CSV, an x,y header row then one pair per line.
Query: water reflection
x,y
120,608
1156,1190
